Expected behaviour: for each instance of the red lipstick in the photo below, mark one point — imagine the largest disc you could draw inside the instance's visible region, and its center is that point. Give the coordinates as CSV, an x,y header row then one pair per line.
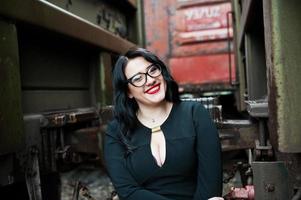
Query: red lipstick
x,y
154,89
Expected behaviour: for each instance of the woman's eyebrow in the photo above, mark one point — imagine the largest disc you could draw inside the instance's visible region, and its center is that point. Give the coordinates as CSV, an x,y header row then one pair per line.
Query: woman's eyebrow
x,y
145,71
150,66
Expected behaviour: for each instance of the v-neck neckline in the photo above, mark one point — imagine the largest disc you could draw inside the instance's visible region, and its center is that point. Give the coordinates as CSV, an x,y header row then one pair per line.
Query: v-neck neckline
x,y
149,135
154,160
165,121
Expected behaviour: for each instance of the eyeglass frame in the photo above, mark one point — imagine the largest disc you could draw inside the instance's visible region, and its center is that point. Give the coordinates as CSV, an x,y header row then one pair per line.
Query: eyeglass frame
x,y
145,74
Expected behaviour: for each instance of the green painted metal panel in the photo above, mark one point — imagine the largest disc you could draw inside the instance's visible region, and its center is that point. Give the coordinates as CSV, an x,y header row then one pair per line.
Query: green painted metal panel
x,y
240,69
11,117
286,72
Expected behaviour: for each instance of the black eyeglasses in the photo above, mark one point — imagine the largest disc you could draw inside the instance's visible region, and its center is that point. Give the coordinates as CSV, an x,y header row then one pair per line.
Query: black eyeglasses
x,y
139,79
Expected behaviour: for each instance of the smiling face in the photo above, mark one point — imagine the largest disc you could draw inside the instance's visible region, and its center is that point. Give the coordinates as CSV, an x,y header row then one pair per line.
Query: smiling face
x,y
153,91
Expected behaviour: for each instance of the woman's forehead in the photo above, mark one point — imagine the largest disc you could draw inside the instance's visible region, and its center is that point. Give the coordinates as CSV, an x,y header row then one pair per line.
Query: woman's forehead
x,y
136,65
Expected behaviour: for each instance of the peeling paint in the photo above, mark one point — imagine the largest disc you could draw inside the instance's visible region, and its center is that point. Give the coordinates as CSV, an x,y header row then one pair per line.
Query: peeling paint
x,y
287,72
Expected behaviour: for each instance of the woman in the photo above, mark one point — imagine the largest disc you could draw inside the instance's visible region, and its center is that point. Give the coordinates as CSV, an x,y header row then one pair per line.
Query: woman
x,y
158,147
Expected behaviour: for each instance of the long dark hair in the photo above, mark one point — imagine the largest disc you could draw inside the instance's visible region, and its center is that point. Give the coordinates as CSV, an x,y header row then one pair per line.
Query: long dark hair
x,y
125,108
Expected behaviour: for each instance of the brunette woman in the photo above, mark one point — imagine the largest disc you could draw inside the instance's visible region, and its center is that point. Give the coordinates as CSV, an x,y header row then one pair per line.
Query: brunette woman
x,y
159,147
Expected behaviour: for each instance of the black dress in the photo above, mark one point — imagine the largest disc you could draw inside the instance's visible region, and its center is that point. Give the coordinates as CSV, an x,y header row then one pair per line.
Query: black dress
x,y
192,168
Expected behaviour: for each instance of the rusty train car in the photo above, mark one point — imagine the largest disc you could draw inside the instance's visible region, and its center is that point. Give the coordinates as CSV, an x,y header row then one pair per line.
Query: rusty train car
x,y
196,32
55,87
240,58
267,58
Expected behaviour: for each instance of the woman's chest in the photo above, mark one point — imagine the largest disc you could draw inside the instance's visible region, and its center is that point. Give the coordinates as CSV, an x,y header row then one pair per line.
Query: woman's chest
x,y
180,159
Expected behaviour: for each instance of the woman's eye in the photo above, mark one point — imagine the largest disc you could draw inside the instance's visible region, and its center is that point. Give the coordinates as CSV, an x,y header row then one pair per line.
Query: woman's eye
x,y
153,70
137,78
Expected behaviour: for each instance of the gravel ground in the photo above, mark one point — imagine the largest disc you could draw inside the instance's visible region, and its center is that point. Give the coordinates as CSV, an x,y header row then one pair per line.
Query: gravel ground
x,y
99,185
93,178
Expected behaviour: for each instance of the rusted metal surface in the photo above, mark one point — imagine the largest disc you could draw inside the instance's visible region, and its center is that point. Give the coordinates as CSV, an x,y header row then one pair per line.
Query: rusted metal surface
x,y
282,49
56,19
201,69
205,24
293,164
189,37
271,180
157,19
195,45
272,96
200,49
63,54
99,13
62,118
187,3
208,88
237,134
201,23
65,137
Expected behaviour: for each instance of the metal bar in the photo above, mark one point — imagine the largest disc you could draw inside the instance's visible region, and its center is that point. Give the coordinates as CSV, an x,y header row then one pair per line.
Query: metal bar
x,y
52,138
49,16
244,20
32,175
262,133
229,47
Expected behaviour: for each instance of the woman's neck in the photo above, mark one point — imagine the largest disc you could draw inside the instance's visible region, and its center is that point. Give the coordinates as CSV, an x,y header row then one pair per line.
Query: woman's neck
x,y
152,116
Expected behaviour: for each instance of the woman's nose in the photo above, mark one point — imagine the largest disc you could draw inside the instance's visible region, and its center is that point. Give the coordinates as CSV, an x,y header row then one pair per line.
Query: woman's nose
x,y
150,81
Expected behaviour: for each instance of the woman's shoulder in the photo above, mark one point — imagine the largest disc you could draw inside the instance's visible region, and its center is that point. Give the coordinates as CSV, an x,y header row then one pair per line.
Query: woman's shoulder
x,y
192,108
112,128
191,105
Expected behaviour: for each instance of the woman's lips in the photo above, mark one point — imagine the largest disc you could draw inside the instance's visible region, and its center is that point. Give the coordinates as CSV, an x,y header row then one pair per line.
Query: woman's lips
x,y
154,89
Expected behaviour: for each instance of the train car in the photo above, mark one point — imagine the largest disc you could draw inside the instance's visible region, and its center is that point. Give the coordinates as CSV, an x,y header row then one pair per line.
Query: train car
x,y
197,45
195,40
242,57
239,58
55,86
267,52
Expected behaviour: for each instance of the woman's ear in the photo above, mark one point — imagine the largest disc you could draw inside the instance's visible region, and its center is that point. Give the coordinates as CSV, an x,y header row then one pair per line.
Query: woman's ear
x,y
130,95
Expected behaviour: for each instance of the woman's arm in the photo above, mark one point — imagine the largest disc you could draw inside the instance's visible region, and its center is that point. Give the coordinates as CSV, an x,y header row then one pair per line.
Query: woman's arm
x,y
124,183
209,175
